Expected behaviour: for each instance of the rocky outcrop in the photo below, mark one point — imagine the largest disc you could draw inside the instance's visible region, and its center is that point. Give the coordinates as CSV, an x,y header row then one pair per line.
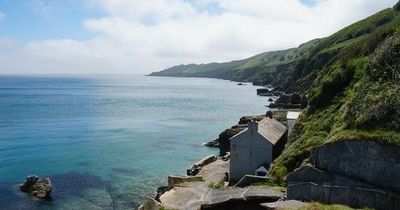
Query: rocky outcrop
x,y
351,172
288,101
268,92
40,188
246,119
150,204
192,171
223,139
160,191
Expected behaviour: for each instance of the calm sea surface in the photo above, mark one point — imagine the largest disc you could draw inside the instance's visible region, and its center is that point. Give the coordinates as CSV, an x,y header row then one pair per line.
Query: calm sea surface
x,y
108,141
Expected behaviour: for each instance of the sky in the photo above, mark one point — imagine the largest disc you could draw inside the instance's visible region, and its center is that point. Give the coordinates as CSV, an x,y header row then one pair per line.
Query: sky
x,y
142,36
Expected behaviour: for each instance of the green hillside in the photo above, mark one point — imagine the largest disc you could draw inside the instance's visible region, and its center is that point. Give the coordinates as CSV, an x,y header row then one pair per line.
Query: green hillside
x,y
355,91
258,69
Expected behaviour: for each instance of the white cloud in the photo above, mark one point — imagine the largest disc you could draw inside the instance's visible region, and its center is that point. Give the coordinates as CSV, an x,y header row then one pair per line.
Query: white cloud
x,y
140,36
41,7
1,16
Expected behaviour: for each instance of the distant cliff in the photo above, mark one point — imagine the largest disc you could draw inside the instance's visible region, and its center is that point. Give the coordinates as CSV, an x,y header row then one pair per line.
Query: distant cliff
x,y
266,68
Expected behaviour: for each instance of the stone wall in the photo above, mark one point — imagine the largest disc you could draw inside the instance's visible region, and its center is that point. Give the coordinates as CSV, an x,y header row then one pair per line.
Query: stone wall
x,y
354,173
366,161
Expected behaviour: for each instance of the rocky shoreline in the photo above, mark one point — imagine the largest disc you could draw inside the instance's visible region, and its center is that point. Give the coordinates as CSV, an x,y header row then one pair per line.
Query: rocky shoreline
x,y
329,171
206,183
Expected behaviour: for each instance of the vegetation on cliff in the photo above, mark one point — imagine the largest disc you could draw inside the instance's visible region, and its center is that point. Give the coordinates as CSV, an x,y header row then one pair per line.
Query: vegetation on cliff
x,y
260,69
355,94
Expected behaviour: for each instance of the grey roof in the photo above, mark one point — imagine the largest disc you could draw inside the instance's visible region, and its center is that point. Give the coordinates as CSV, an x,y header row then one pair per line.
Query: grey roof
x,y
271,130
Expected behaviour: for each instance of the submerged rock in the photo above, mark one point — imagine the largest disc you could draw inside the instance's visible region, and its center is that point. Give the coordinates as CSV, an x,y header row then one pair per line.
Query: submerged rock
x,y
40,188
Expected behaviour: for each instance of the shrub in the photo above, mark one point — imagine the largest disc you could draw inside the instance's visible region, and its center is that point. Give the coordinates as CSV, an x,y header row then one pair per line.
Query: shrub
x,y
385,62
330,85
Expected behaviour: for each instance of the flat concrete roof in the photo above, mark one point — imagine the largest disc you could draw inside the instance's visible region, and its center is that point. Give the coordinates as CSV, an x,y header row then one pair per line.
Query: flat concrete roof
x,y
293,115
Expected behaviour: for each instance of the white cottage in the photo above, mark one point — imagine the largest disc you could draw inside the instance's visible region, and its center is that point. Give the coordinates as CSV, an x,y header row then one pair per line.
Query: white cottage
x,y
254,149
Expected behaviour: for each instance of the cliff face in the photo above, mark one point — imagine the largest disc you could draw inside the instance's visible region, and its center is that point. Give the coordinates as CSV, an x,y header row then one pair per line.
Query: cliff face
x,y
357,173
266,68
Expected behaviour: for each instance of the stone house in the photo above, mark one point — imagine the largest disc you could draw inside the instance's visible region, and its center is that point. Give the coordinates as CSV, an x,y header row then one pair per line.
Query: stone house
x,y
254,149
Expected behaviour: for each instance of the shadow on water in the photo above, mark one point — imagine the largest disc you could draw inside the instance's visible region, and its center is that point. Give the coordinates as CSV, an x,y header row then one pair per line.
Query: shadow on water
x,y
125,171
64,186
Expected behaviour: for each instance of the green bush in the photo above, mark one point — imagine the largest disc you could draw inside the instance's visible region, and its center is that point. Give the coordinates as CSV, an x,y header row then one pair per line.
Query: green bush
x,y
330,85
385,63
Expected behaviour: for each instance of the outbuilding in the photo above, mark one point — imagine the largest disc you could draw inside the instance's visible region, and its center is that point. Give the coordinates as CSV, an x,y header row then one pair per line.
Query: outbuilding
x,y
254,149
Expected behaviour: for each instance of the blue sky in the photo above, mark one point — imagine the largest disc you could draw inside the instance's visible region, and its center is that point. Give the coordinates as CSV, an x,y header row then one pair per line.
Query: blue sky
x,y
47,19
140,36
27,20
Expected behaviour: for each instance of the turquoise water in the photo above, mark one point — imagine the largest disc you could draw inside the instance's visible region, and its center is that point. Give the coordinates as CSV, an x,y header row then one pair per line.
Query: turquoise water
x,y
108,142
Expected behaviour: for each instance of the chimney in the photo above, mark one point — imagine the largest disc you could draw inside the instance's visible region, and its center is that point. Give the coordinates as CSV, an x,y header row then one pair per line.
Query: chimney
x,y
253,126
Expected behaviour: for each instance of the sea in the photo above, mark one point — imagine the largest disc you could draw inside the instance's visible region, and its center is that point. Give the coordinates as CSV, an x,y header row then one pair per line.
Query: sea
x,y
109,141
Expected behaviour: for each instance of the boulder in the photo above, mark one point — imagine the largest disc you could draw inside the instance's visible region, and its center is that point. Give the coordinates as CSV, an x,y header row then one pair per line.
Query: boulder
x,y
223,140
40,188
213,143
150,204
269,114
160,191
247,119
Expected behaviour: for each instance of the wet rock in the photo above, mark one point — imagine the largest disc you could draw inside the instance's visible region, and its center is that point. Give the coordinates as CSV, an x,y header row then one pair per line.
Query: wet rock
x,y
224,143
213,143
246,119
40,188
160,191
194,170
269,114
150,204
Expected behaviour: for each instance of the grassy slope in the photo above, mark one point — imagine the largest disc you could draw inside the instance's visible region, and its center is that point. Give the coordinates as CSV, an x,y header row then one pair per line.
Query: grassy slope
x,y
259,68
355,92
